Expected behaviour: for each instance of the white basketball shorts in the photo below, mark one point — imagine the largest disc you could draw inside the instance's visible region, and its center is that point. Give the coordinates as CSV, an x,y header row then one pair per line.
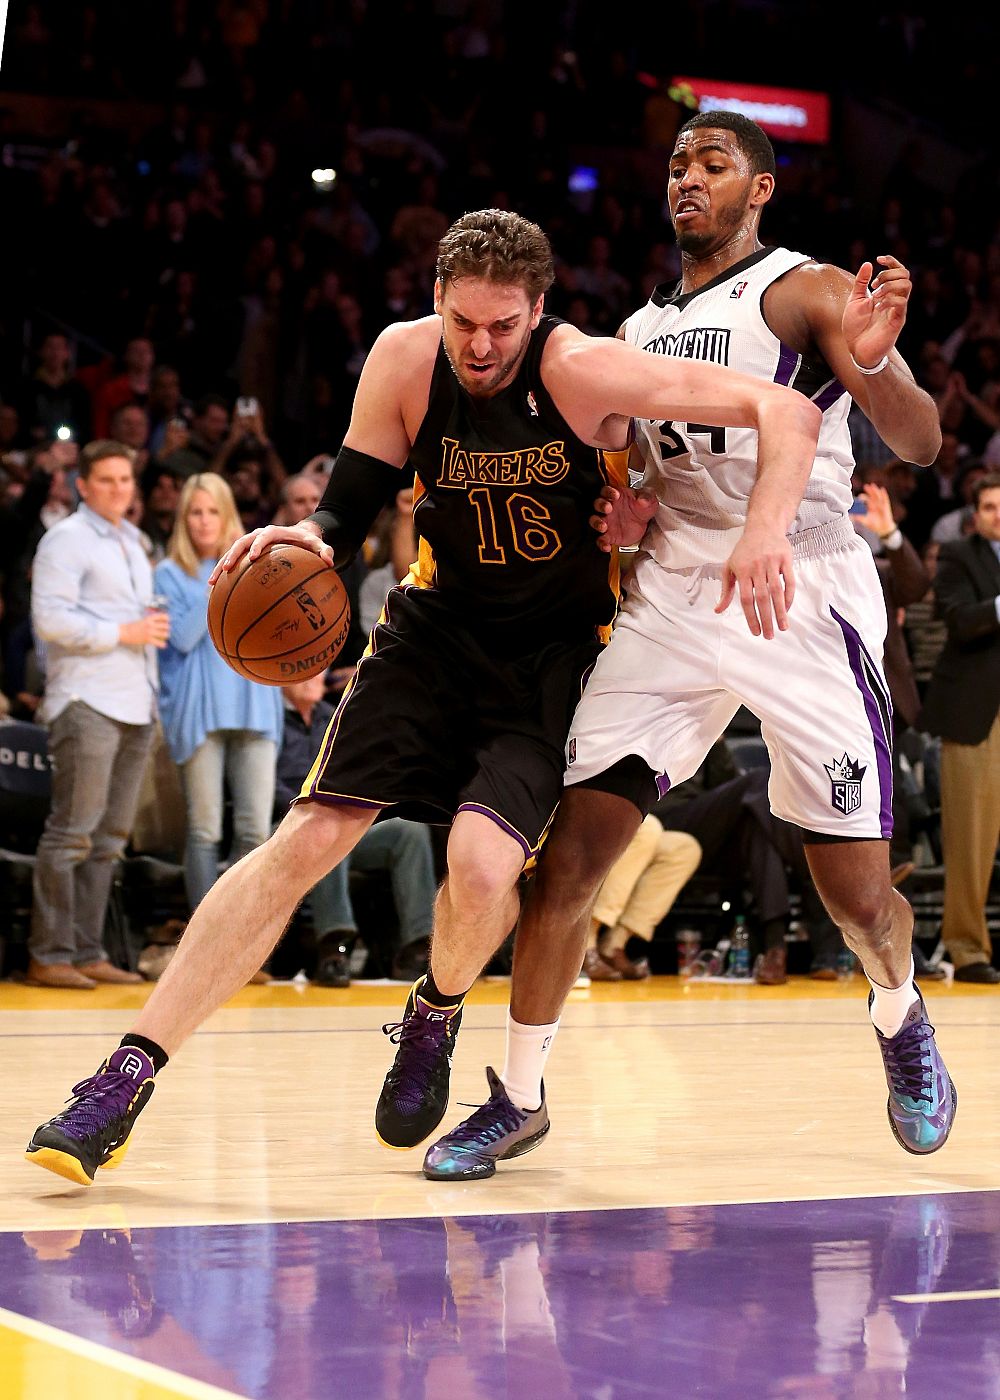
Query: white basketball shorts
x,y
674,673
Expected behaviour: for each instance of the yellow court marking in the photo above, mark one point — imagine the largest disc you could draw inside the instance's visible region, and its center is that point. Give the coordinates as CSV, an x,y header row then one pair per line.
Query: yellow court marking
x,y
488,991
974,1295
36,1359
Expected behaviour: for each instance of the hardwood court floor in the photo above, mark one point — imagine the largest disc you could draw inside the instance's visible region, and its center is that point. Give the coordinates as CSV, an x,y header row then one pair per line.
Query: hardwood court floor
x,y
720,1209
659,1095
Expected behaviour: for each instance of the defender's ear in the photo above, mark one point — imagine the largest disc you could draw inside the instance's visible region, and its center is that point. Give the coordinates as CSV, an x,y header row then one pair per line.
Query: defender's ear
x,y
762,189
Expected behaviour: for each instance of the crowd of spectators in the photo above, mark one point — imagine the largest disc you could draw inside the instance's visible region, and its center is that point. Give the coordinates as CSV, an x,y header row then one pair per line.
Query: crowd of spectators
x,y
224,205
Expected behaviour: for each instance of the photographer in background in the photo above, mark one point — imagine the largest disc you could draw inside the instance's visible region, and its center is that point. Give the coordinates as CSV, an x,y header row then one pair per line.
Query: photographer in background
x,y
53,398
203,442
250,463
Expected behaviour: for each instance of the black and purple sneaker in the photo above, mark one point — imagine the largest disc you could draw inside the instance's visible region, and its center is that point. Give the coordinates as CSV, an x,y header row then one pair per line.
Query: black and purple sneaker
x,y
497,1131
93,1131
414,1097
922,1098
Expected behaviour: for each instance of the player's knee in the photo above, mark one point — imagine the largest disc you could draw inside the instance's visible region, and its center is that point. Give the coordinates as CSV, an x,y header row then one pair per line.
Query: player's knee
x,y
476,885
866,915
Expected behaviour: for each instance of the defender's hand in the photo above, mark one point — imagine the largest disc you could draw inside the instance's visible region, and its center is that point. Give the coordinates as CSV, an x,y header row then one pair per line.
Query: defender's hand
x,y
761,568
873,318
621,516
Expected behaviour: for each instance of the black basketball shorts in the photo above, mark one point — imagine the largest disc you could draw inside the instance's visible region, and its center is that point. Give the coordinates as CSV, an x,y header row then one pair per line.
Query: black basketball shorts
x,y
435,723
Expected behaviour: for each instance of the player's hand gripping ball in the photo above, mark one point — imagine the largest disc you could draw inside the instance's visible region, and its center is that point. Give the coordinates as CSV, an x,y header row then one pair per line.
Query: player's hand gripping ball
x,y
281,618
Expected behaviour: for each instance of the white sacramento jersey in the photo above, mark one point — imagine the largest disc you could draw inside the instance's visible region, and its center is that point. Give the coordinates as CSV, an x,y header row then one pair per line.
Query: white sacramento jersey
x,y
703,476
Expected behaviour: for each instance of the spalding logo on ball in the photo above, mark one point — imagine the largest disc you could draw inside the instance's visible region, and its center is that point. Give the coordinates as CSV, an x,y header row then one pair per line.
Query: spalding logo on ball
x,y
281,618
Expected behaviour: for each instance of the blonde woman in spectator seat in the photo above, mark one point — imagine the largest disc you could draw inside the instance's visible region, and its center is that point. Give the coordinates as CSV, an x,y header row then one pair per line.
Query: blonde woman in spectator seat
x,y
220,728
638,891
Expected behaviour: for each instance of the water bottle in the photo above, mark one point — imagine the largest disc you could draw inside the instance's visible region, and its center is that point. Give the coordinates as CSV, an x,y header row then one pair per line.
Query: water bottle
x,y
739,955
688,948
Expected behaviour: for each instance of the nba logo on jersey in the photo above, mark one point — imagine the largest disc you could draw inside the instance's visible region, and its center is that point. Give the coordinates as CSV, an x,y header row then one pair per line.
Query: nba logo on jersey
x,y
572,751
845,783
738,290
532,406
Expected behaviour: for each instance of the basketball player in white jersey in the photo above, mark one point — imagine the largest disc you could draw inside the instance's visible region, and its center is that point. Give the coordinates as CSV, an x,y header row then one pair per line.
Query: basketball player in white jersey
x,y
682,660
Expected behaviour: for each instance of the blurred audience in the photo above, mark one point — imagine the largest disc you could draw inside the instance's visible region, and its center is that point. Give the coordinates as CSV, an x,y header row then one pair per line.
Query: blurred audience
x,y
177,275
54,403
637,893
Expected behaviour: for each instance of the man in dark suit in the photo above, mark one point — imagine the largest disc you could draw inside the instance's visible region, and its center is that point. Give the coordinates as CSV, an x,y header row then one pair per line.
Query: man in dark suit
x,y
904,580
962,705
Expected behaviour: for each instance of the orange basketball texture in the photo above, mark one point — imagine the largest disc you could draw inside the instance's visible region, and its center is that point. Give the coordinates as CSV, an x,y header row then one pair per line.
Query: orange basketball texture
x,y
280,619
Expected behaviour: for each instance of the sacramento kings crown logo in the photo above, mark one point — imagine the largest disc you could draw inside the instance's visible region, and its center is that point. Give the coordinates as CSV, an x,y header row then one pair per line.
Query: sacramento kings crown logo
x,y
845,783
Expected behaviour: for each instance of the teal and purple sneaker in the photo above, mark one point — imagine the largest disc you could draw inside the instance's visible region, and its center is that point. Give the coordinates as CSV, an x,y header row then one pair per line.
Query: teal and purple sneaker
x,y
93,1132
497,1131
922,1098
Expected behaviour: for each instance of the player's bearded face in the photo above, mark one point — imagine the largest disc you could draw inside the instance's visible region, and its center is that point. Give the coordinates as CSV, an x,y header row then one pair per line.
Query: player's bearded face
x,y
486,329
709,191
725,219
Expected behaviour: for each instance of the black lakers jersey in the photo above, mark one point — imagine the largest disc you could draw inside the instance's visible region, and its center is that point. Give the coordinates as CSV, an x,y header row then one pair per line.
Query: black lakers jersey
x,y
502,496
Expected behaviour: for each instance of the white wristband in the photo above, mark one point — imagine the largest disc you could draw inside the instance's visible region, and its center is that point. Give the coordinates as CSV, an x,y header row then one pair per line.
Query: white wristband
x,y
875,369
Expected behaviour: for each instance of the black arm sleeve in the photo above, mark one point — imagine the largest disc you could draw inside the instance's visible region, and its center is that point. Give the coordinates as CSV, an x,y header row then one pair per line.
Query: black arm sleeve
x,y
358,488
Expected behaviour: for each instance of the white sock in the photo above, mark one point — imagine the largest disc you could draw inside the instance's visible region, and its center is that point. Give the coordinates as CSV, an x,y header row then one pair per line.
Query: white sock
x,y
527,1050
891,1004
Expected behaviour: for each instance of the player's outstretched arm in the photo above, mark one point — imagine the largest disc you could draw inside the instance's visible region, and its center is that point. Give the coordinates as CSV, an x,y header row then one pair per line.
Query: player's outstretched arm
x,y
606,377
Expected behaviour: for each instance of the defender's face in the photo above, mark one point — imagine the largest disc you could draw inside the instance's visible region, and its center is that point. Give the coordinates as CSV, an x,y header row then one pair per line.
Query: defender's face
x,y
711,191
485,327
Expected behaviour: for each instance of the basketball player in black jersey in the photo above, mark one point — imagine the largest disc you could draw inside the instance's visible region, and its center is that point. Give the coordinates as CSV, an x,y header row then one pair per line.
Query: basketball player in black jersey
x,y
512,422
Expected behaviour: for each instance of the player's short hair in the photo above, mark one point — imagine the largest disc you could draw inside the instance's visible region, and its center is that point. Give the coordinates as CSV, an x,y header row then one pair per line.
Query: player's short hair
x,y
989,482
102,450
499,245
753,140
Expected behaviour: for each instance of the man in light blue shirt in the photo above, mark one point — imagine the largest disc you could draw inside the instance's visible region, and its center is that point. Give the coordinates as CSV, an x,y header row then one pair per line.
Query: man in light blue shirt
x,y
91,595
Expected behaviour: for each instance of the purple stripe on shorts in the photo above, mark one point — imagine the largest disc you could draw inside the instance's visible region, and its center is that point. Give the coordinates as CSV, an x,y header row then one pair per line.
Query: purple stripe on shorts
x,y
833,391
504,826
787,363
662,784
330,735
878,718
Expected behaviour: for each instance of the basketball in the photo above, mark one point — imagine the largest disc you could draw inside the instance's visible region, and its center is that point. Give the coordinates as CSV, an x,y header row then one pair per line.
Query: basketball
x,y
281,618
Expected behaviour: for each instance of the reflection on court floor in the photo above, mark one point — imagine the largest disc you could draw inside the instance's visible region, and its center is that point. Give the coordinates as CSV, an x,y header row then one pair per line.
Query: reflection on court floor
x,y
873,1297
